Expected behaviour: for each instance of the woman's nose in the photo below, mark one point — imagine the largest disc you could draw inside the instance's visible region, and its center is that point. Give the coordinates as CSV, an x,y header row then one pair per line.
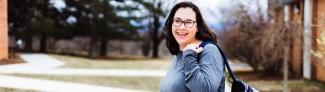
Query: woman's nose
x,y
182,26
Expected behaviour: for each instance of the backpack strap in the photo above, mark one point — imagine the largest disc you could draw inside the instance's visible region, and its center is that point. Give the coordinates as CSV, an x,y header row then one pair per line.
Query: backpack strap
x,y
225,61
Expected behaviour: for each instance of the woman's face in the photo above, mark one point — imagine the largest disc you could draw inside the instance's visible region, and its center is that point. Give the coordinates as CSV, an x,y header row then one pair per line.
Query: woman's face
x,y
184,26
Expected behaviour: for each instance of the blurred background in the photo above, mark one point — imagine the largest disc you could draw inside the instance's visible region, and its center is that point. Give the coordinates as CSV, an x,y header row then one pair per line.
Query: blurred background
x,y
119,45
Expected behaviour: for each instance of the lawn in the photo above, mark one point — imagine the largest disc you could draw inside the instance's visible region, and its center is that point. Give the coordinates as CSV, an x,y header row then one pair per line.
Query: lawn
x,y
15,90
146,63
295,85
141,83
274,83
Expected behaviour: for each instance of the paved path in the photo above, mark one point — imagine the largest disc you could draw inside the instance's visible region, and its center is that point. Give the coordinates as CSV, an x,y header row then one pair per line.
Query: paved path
x,y
43,64
35,61
240,67
87,72
55,86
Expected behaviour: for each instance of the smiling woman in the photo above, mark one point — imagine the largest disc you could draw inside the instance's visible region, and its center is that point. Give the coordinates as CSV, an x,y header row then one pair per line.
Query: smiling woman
x,y
181,35
194,69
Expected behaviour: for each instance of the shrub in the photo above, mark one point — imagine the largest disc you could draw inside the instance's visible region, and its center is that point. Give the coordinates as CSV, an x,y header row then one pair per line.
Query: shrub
x,y
262,45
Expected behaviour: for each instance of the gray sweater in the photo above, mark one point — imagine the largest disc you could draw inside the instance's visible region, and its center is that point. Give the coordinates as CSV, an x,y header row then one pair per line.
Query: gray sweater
x,y
187,74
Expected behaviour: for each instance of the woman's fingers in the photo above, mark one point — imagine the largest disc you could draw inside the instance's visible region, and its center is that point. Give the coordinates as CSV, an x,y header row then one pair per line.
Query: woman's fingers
x,y
194,47
198,50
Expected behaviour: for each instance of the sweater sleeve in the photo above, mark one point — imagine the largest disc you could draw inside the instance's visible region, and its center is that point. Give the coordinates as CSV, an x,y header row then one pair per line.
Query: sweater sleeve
x,y
206,74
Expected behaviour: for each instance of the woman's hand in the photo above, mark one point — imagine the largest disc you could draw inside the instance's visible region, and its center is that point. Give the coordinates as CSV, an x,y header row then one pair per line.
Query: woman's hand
x,y
194,47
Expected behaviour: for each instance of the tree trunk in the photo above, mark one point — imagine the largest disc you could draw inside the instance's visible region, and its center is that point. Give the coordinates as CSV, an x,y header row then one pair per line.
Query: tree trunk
x,y
146,45
92,53
155,37
28,42
43,43
103,46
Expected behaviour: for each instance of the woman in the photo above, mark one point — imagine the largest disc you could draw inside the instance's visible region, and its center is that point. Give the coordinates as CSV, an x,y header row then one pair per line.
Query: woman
x,y
194,69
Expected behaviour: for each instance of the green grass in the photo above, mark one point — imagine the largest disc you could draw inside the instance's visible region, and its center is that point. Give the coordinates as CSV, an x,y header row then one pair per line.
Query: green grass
x,y
80,62
140,83
294,85
14,90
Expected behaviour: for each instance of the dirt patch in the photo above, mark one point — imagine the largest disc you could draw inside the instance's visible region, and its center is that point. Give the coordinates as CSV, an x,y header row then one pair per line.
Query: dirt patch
x,y
254,76
13,59
274,83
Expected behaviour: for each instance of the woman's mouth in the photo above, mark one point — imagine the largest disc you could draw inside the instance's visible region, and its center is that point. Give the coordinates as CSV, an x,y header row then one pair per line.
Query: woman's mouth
x,y
181,34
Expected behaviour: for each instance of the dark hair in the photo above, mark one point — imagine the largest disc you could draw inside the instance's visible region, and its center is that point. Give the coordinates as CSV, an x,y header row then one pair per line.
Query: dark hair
x,y
204,33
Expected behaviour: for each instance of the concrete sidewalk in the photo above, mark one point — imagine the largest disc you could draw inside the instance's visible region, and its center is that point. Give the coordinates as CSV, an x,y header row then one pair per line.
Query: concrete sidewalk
x,y
43,64
34,61
55,86
87,72
239,66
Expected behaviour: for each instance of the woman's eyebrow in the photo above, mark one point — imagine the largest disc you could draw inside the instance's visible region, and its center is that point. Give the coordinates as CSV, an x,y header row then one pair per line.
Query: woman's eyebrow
x,y
177,18
189,20
183,19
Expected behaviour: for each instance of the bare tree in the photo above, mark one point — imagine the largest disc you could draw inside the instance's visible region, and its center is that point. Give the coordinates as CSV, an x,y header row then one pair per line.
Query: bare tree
x,y
260,43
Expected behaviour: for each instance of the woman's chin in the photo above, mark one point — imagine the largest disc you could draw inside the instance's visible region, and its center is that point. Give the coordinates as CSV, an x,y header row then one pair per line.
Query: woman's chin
x,y
181,42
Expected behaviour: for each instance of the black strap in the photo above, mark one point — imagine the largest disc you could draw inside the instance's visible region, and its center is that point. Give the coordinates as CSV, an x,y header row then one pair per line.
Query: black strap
x,y
224,58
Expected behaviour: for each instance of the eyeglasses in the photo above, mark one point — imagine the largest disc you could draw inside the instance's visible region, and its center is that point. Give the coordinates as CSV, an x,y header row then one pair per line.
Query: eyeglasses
x,y
187,23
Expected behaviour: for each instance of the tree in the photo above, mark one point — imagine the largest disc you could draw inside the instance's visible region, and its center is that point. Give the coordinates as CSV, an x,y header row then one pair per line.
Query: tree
x,y
262,44
157,36
154,35
24,14
94,18
98,20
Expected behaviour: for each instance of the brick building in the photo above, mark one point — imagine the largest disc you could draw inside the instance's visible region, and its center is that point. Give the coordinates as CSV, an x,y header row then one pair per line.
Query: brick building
x,y
298,14
318,39
3,30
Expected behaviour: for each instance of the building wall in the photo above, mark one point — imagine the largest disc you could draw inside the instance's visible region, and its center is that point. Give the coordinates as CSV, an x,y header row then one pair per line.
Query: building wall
x,y
3,29
296,14
318,43
276,8
318,39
